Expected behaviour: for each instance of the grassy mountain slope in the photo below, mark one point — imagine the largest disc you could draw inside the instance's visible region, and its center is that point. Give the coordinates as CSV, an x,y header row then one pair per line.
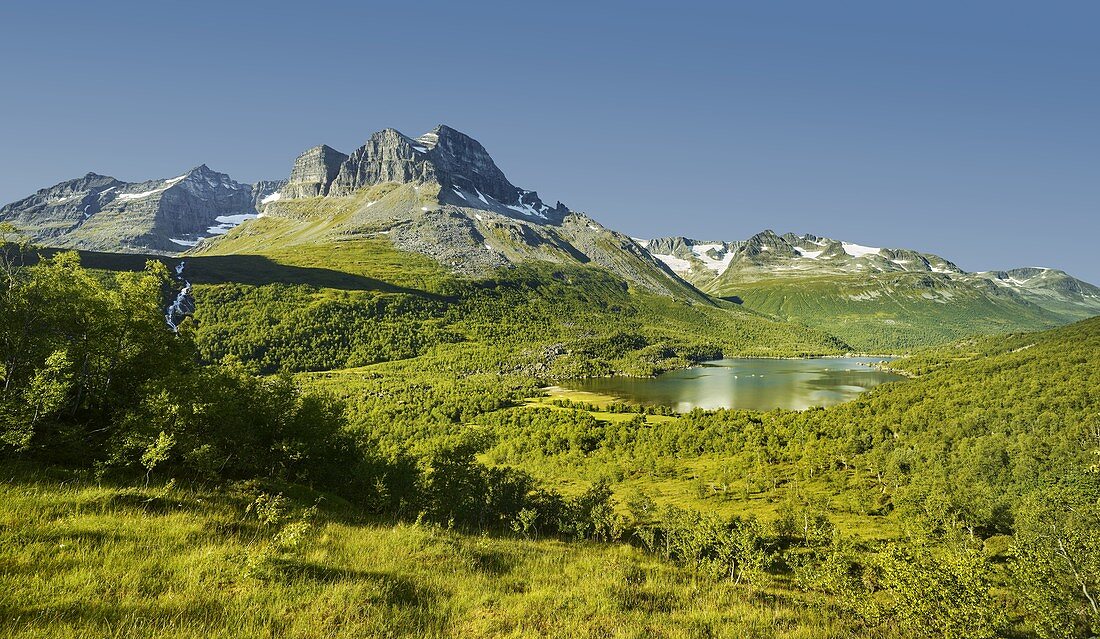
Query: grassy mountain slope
x,y
360,301
540,319
876,299
321,284
892,312
471,238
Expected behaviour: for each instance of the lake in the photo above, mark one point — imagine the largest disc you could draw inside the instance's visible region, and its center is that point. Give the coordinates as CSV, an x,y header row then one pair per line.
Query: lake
x,y
757,384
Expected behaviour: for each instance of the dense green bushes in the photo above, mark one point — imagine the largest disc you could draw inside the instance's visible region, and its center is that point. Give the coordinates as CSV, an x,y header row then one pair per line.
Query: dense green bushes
x,y
298,328
996,445
75,353
94,377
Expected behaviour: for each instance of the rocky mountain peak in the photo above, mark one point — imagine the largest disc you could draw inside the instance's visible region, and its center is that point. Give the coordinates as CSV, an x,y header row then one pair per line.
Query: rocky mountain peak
x,y
444,155
463,163
314,171
163,215
201,178
64,203
766,242
388,156
465,172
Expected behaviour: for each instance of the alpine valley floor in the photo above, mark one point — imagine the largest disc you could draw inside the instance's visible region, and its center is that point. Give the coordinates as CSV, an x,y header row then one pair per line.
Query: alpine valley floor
x,y
341,430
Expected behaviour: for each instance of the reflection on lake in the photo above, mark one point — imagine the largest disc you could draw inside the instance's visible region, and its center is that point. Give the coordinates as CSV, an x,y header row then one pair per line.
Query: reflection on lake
x,y
758,384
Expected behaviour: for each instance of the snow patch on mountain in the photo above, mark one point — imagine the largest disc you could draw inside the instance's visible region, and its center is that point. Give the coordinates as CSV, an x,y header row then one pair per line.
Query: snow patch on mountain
x,y
678,265
142,195
706,253
858,250
226,223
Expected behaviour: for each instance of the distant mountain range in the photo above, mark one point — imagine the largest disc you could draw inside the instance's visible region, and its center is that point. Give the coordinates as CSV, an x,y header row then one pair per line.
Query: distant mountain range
x,y
875,297
723,268
440,194
98,212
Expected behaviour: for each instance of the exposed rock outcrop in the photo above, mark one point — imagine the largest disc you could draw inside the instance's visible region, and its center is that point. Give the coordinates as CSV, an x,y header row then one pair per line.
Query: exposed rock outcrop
x,y
266,191
314,171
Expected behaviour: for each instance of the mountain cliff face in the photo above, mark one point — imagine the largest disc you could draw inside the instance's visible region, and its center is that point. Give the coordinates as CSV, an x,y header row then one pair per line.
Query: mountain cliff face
x,y
313,172
454,161
98,212
265,192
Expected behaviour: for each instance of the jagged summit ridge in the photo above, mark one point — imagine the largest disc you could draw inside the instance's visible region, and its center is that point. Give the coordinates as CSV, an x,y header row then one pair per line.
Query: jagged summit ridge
x,y
459,164
442,195
768,251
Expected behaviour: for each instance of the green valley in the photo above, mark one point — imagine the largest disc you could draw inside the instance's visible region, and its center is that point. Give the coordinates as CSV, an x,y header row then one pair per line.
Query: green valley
x,y
339,414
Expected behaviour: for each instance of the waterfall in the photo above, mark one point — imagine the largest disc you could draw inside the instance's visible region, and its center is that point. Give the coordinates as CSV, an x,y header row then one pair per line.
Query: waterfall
x,y
183,305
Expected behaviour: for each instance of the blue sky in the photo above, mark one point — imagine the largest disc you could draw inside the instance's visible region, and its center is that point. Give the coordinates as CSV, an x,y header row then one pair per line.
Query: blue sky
x,y
968,129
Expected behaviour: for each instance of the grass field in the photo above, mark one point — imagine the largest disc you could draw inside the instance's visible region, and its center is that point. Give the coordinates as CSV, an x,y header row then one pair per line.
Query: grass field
x,y
81,559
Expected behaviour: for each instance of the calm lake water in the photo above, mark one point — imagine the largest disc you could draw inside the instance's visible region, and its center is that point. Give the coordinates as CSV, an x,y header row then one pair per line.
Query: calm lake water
x,y
758,384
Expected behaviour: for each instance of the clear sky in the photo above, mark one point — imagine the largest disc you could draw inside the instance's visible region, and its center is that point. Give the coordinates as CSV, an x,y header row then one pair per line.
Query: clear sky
x,y
964,128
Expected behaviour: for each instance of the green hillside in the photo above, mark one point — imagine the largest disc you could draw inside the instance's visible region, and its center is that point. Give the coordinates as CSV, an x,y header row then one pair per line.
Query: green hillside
x,y
362,301
557,319
891,312
876,299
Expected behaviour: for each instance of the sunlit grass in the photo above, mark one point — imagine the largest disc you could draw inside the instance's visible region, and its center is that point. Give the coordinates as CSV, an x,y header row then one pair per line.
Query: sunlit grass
x,y
79,559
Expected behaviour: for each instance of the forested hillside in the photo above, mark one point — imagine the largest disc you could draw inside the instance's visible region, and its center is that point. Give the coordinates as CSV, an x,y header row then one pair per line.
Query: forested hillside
x,y
364,302
431,491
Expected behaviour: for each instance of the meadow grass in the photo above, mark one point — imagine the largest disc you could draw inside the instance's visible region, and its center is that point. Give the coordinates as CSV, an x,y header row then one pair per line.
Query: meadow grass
x,y
83,559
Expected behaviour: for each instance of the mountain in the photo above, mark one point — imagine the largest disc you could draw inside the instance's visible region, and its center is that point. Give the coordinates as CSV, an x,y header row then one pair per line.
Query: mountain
x,y
98,212
715,265
1050,288
440,195
874,298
